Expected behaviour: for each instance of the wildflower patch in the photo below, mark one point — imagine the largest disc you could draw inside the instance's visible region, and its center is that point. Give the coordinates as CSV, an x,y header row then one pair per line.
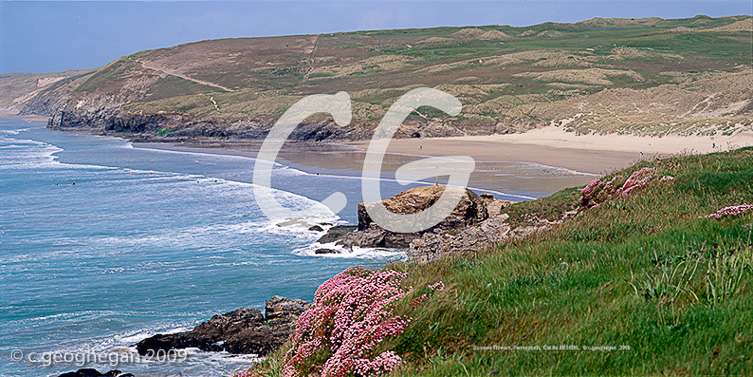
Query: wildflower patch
x,y
351,314
599,191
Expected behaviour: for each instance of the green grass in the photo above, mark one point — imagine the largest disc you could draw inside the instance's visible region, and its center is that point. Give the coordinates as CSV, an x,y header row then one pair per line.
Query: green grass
x,y
643,272
643,285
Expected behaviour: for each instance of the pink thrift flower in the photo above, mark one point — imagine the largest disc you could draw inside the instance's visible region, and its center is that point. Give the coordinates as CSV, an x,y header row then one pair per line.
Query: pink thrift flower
x,y
437,287
351,314
731,211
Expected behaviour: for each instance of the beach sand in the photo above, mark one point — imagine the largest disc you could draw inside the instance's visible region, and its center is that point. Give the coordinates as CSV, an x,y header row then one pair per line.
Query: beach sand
x,y
562,159
554,147
495,155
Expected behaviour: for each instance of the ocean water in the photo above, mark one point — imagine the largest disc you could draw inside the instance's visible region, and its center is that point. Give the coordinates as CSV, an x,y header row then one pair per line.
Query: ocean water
x,y
103,244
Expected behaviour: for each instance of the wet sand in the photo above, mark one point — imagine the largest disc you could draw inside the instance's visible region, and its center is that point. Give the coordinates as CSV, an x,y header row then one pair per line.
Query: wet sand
x,y
522,180
581,160
535,163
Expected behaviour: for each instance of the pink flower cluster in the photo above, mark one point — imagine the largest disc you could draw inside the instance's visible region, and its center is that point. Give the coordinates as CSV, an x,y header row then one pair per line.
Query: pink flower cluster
x,y
599,191
436,287
351,314
731,211
634,182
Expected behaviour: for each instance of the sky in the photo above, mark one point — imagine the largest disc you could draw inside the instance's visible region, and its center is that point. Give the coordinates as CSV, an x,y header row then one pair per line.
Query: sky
x,y
53,36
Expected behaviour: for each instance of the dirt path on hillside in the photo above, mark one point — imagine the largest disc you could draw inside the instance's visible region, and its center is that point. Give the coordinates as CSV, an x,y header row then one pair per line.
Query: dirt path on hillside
x,y
155,67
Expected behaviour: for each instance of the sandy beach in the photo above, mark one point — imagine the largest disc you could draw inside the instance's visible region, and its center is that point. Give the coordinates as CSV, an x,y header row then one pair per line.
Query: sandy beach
x,y
554,147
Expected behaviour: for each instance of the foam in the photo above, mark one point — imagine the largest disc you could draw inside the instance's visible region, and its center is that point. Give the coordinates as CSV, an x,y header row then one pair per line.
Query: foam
x,y
13,132
355,252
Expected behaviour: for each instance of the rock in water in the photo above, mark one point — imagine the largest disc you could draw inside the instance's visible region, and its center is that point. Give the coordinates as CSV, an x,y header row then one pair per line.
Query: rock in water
x,y
241,331
326,251
95,373
469,211
337,233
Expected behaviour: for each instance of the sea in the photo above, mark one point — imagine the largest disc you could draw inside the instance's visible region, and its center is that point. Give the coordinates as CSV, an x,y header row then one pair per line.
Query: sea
x,y
103,244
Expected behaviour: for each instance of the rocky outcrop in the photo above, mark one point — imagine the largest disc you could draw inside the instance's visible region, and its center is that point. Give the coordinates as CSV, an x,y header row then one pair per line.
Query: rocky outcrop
x,y
489,233
242,331
96,373
485,235
337,233
475,222
469,211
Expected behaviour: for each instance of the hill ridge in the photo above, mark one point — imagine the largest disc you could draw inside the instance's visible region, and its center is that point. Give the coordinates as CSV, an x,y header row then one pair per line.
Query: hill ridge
x,y
509,79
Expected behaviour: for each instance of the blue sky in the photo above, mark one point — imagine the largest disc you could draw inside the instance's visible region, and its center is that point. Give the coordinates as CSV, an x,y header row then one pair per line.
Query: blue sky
x,y
50,36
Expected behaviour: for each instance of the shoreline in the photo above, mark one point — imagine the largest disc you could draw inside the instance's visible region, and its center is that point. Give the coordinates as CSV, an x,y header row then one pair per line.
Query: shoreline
x,y
548,146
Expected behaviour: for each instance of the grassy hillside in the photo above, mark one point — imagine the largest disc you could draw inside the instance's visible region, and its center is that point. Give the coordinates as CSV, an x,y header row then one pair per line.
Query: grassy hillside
x,y
642,270
649,76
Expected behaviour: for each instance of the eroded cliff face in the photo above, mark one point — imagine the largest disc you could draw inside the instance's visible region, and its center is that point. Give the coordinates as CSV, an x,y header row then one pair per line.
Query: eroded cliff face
x,y
103,117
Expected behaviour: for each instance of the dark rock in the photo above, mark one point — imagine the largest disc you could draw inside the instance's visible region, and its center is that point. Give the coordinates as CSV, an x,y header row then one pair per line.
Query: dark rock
x,y
326,251
282,314
337,233
279,308
243,331
373,236
316,228
469,211
95,373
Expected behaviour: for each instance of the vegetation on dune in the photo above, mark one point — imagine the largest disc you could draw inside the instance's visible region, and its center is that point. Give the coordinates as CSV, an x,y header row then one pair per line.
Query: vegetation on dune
x,y
653,277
